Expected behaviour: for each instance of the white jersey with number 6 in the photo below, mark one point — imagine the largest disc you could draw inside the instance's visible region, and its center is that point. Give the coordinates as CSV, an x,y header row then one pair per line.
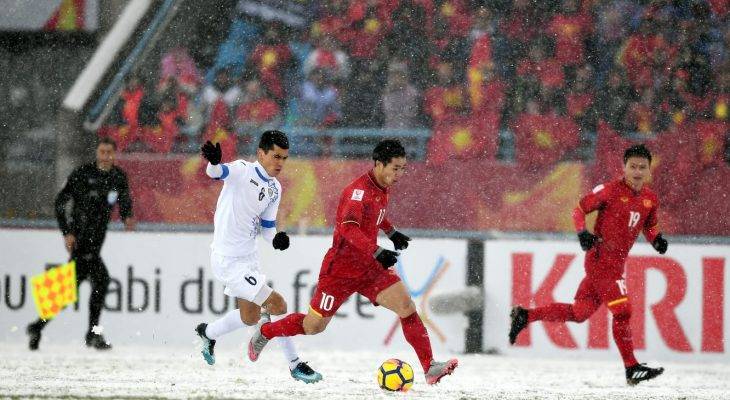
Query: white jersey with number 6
x,y
248,204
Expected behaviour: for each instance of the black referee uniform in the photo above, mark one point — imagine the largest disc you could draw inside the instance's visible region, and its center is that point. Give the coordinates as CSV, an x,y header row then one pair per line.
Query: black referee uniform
x,y
94,193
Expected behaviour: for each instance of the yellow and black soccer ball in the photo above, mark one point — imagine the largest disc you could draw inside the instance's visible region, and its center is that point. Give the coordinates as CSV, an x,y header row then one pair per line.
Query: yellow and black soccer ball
x,y
395,375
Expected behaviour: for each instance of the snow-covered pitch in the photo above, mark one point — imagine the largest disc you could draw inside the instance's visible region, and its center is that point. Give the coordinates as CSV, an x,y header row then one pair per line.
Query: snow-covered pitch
x,y
73,372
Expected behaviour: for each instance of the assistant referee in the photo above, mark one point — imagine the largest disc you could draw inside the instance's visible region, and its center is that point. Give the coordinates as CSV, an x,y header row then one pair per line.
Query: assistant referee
x,y
94,189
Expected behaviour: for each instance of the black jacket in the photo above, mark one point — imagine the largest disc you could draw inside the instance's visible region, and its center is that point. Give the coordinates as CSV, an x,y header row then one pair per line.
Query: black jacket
x,y
94,193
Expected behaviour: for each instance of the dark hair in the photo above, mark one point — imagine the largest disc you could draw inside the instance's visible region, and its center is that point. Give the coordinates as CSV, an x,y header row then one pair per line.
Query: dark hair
x,y
638,150
271,138
387,150
107,140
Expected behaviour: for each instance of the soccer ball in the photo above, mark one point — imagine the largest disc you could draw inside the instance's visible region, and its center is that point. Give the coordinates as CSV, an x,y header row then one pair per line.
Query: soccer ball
x,y
395,375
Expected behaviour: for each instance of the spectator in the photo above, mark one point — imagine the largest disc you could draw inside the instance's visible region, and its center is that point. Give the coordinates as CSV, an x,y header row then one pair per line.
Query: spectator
x,y
644,116
580,100
178,64
547,71
570,29
612,28
223,89
408,41
615,100
447,98
273,60
400,99
257,112
644,52
319,102
329,58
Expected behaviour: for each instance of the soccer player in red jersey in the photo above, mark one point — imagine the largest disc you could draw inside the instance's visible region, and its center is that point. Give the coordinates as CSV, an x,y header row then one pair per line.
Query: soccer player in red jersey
x,y
355,263
625,207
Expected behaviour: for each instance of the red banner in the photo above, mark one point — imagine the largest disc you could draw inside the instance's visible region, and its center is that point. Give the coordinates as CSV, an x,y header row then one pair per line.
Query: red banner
x,y
462,137
542,140
472,194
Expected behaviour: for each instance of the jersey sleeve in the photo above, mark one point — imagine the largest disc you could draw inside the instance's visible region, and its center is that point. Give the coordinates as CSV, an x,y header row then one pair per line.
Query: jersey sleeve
x,y
353,206
593,201
651,224
352,216
125,199
63,197
386,226
226,170
268,216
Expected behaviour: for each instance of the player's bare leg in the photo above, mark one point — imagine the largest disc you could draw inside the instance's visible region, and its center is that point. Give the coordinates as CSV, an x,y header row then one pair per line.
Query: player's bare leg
x,y
397,299
299,370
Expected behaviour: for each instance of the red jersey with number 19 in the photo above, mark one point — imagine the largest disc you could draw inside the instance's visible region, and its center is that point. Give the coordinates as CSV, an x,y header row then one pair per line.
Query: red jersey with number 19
x,y
622,214
360,213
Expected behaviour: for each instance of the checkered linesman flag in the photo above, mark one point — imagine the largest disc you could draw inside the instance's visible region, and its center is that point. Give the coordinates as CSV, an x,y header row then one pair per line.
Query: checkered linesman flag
x,y
54,289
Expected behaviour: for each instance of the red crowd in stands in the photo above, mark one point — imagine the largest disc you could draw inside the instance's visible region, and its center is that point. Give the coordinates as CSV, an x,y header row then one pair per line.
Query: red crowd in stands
x,y
553,73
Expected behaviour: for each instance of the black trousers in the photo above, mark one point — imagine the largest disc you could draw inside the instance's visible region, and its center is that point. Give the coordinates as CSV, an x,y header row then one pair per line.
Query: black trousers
x,y
89,265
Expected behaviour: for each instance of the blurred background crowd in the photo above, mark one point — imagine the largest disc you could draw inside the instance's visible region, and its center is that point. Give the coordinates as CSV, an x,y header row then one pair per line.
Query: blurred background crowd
x,y
578,68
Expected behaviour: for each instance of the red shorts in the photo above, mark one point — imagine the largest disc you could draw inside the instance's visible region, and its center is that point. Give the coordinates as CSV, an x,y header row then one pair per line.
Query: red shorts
x,y
333,291
602,290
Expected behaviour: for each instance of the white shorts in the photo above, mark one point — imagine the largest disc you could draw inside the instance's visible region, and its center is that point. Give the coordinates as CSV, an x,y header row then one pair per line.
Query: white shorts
x,y
241,277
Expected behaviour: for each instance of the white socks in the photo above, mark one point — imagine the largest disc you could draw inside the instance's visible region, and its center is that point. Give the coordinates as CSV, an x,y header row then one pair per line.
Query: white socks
x,y
290,352
226,324
232,321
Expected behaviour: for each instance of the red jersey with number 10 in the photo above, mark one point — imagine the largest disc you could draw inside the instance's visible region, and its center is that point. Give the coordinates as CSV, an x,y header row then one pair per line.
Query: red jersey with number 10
x,y
622,214
360,214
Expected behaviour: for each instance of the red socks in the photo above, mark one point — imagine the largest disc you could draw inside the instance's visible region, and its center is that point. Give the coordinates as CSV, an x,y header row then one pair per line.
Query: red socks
x,y
622,337
579,312
291,325
416,334
552,312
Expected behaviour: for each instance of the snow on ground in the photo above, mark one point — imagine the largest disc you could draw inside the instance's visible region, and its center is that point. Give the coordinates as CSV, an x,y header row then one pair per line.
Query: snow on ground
x,y
71,372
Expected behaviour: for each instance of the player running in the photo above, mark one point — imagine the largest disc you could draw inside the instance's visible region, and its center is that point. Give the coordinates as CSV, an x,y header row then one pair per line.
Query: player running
x,y
355,263
625,207
247,205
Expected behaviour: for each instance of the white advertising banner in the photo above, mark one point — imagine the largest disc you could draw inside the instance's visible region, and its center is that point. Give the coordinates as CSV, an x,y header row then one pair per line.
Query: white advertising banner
x,y
678,301
162,287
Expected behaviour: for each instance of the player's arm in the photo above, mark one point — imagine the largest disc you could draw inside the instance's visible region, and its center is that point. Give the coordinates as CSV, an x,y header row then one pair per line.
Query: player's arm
x,y
400,241
125,202
652,233
62,198
280,240
215,169
350,230
591,202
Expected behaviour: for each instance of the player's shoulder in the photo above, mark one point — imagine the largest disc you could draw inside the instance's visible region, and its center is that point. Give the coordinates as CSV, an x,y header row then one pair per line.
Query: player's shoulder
x,y
85,168
649,193
119,171
357,190
604,188
239,163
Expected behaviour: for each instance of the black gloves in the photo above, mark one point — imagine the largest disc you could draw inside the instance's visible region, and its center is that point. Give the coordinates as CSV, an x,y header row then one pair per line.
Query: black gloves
x,y
281,241
660,244
212,153
400,241
386,258
587,240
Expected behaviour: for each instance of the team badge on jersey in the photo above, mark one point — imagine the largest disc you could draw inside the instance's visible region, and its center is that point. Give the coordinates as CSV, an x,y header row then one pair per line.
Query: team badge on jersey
x,y
273,191
624,199
648,203
357,194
